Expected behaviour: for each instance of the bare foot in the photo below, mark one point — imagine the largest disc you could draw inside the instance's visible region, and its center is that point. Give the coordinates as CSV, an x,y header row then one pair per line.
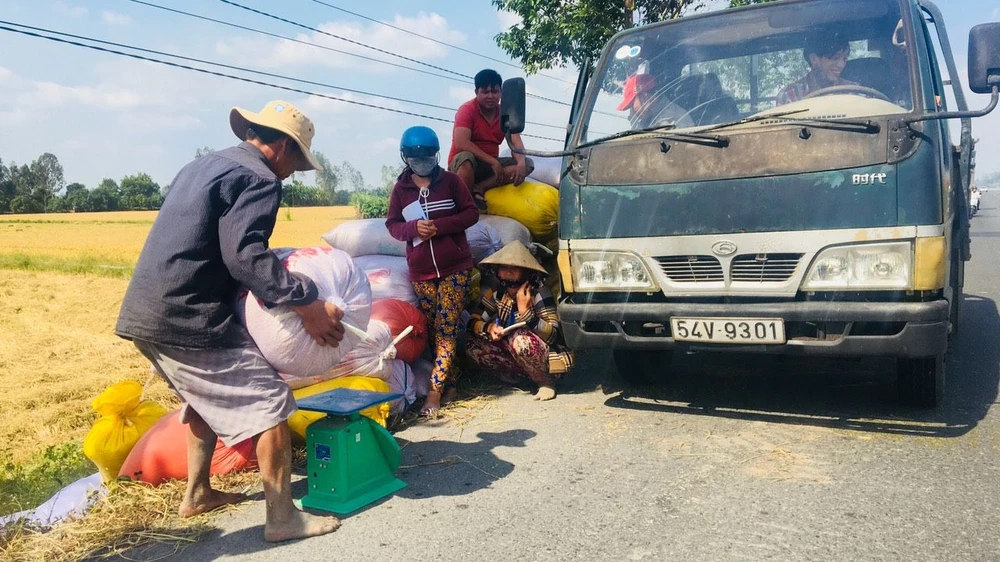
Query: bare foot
x,y
213,500
545,393
449,395
299,526
432,404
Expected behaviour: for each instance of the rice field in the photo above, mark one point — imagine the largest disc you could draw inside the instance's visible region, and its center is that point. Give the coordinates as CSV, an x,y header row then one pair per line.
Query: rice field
x,y
62,278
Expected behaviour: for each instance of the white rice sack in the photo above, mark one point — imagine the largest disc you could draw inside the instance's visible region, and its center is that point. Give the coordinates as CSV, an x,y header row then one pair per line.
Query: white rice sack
x,y
389,277
483,239
364,237
401,381
547,169
364,359
508,229
279,332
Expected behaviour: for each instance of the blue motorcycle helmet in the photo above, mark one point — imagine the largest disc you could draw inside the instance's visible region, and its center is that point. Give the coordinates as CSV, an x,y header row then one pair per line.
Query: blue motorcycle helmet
x,y
419,148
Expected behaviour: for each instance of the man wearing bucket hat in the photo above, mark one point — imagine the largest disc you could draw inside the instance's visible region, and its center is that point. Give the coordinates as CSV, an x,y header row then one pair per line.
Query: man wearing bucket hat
x,y
515,332
209,238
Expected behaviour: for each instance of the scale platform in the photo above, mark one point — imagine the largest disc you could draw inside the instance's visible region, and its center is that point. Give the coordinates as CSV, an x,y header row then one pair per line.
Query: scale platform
x,y
351,460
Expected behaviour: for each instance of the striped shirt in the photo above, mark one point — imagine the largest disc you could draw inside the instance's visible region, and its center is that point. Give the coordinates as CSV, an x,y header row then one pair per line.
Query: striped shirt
x,y
541,318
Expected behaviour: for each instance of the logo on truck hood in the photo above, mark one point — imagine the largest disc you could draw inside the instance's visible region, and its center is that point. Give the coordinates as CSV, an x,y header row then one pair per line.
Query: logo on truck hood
x,y
724,248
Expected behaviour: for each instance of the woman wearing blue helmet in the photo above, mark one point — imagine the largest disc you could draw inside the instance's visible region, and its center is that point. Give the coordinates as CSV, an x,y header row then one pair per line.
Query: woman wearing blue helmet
x,y
429,209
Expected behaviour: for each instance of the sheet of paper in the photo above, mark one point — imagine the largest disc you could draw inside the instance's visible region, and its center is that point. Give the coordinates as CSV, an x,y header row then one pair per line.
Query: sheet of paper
x,y
414,211
513,327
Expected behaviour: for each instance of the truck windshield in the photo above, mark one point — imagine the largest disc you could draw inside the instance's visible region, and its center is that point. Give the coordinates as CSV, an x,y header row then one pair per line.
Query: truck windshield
x,y
833,59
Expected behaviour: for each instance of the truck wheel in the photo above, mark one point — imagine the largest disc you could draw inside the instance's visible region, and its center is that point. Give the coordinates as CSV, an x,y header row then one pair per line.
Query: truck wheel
x,y
920,381
642,367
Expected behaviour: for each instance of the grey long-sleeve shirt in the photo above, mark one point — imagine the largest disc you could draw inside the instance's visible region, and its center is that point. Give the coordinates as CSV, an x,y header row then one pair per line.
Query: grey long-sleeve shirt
x,y
209,238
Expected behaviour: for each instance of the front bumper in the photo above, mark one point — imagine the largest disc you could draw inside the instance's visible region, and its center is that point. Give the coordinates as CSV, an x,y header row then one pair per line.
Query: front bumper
x,y
910,329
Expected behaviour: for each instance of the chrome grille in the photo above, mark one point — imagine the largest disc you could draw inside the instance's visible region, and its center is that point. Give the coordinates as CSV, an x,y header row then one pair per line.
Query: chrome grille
x,y
691,269
764,268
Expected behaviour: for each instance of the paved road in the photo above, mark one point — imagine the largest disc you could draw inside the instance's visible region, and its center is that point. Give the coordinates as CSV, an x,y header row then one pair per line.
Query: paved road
x,y
737,459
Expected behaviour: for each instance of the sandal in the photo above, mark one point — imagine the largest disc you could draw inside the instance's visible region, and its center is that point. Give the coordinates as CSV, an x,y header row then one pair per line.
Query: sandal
x,y
480,200
432,413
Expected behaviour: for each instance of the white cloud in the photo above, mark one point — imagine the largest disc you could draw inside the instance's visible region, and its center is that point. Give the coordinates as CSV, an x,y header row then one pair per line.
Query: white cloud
x,y
386,143
107,96
996,14
461,94
507,19
283,53
65,10
111,17
317,107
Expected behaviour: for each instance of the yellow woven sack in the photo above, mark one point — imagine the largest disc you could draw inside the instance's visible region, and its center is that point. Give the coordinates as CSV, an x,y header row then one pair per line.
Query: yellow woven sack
x,y
124,418
301,419
533,204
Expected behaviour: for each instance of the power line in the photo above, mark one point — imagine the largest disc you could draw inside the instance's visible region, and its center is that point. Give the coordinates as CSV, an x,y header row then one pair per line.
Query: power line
x,y
457,77
438,41
260,72
335,36
294,40
4,24
242,69
352,41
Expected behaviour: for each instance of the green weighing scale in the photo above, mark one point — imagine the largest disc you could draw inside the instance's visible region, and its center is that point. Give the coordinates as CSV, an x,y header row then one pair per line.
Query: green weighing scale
x,y
351,460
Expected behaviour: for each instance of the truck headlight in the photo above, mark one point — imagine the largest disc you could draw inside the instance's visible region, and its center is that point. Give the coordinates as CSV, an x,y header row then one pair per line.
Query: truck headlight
x,y
862,266
610,271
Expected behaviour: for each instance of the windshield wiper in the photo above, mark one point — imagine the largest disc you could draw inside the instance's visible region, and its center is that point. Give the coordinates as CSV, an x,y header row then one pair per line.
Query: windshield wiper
x,y
866,126
662,132
752,119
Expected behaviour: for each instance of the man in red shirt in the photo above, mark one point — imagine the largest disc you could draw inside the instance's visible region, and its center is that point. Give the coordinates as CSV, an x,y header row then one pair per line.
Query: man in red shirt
x,y
475,142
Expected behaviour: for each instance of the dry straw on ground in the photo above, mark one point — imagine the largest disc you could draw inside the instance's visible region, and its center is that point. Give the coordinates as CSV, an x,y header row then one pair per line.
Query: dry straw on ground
x,y
134,521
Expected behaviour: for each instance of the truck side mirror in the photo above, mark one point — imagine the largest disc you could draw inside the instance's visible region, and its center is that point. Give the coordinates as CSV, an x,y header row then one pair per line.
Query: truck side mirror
x,y
984,58
512,106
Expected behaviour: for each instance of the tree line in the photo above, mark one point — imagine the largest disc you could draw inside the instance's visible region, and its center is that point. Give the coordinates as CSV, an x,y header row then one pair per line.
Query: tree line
x,y
40,187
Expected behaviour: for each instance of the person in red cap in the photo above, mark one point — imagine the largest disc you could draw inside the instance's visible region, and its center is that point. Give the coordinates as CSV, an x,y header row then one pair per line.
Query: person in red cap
x,y
636,97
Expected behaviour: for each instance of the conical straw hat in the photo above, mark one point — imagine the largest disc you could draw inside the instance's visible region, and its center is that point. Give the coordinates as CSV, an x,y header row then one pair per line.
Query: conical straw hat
x,y
516,255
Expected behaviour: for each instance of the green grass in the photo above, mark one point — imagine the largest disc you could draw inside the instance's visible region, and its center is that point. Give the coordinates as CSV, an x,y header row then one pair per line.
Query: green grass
x,y
78,266
25,486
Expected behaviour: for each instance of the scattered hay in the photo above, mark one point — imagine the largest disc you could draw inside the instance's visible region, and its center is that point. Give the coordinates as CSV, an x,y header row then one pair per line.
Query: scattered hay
x,y
131,516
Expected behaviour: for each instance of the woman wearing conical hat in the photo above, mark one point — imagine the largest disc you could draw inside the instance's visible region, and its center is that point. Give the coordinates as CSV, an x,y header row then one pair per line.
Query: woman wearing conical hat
x,y
514,331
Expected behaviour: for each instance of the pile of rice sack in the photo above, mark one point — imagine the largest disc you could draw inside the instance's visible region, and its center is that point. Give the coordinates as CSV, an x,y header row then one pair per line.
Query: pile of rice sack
x,y
364,272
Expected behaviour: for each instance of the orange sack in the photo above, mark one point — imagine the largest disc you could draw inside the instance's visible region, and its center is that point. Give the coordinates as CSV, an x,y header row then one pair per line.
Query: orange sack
x,y
161,454
397,315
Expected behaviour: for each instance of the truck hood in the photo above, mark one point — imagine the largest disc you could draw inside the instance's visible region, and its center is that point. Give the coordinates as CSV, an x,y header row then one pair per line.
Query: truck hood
x,y
861,197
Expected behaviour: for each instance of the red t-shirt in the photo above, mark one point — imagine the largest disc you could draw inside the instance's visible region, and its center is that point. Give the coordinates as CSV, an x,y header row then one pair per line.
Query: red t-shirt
x,y
486,135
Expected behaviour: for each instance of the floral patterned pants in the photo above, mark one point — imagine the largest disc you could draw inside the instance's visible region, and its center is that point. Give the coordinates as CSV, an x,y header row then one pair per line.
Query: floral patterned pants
x,y
442,301
522,354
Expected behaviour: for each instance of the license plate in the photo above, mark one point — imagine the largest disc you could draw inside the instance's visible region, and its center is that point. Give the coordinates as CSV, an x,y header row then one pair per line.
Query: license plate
x,y
728,330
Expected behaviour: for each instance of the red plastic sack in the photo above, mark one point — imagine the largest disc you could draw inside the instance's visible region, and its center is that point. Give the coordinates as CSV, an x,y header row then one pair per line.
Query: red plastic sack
x,y
161,454
397,315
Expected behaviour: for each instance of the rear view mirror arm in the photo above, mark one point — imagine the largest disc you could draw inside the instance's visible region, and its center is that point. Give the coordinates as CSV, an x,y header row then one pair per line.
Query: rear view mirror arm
x,y
957,114
539,153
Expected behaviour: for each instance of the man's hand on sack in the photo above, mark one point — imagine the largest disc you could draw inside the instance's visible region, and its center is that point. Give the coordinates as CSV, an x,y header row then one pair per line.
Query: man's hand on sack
x,y
321,319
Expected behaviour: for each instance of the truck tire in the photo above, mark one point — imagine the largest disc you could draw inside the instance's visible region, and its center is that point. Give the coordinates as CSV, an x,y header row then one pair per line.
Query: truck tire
x,y
920,381
643,367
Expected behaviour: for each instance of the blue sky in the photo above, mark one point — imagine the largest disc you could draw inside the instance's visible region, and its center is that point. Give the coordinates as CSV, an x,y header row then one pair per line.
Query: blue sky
x,y
107,116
